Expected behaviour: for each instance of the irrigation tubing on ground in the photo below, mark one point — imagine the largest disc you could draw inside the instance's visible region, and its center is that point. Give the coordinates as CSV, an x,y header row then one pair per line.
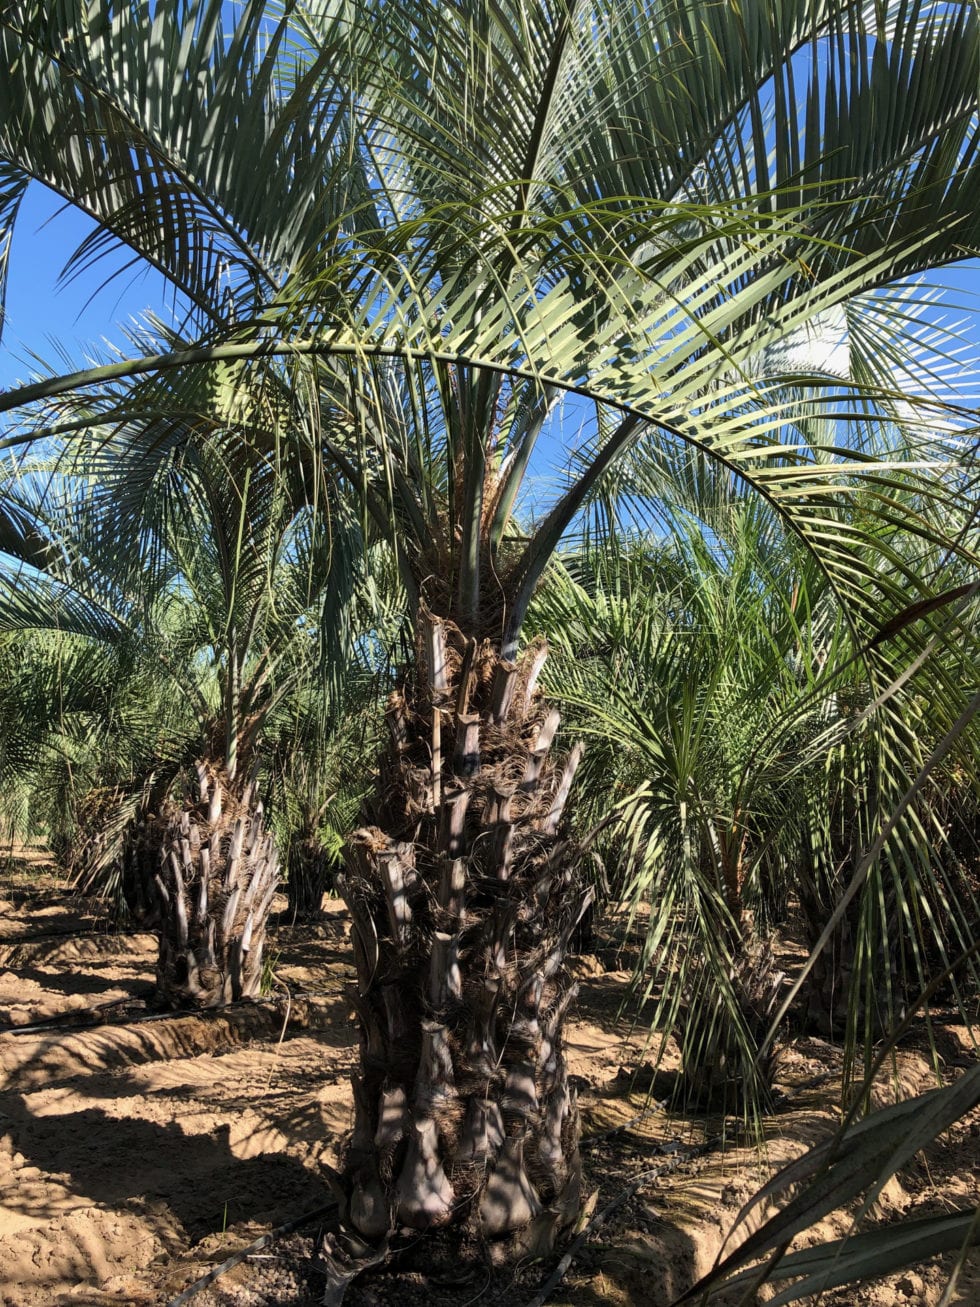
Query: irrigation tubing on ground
x,y
76,1018
287,1228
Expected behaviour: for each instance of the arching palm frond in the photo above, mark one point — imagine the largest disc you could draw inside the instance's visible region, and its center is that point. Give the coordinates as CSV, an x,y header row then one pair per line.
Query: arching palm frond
x,y
415,226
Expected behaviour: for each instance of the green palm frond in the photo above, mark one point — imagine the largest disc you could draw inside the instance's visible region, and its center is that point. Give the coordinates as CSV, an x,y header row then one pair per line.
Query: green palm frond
x,y
854,1164
615,232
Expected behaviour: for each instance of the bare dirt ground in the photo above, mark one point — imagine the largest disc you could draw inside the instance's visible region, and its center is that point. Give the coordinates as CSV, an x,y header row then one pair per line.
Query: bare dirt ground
x,y
138,1152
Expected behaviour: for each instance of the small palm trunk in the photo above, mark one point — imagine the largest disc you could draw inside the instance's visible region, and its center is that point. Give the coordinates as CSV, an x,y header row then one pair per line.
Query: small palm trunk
x,y
138,892
216,874
719,1036
463,897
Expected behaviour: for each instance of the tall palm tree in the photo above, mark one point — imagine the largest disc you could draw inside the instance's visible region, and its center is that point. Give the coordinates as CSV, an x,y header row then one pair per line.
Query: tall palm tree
x,y
439,219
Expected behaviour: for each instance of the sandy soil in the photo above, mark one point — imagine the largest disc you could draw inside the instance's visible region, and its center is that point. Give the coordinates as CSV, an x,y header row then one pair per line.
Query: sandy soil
x,y
137,1152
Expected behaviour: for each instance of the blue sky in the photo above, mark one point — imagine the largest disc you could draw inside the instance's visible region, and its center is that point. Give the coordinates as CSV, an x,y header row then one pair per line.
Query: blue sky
x,y
42,313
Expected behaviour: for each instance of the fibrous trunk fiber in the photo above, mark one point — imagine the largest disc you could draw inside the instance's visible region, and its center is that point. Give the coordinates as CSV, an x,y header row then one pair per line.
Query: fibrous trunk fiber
x,y
214,871
464,895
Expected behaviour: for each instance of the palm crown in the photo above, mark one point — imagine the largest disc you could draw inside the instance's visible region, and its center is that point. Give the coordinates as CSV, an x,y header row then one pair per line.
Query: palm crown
x,y
639,204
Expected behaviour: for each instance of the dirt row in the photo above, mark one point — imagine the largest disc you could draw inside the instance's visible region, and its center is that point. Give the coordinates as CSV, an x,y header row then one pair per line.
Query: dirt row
x,y
138,1151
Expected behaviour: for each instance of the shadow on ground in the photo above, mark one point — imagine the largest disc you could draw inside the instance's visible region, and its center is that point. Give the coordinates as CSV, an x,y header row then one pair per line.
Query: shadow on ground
x,y
111,1160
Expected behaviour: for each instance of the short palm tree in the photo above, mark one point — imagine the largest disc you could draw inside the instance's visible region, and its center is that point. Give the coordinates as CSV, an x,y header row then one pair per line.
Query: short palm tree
x,y
76,725
222,586
321,748
90,718
681,662
732,737
438,219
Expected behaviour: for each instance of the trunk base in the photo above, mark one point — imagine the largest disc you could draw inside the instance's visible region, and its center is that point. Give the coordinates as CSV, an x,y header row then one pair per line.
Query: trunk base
x,y
309,875
719,1069
456,1259
216,871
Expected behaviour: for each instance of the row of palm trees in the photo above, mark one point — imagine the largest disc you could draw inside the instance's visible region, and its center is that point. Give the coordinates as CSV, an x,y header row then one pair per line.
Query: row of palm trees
x,y
705,666
194,622
396,236
731,773
731,731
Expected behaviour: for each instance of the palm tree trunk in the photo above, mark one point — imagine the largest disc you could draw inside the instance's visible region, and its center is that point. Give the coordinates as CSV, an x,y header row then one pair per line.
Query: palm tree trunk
x,y
464,897
138,892
822,876
214,869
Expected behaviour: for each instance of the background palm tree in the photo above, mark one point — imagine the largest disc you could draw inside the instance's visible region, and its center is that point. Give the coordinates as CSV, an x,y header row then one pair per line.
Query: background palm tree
x,y
90,721
688,668
732,736
322,747
438,219
211,582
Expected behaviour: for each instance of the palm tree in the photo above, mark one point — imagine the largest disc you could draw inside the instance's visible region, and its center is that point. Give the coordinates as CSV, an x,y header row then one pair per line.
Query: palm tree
x,y
88,729
732,737
87,724
221,584
321,747
688,664
438,219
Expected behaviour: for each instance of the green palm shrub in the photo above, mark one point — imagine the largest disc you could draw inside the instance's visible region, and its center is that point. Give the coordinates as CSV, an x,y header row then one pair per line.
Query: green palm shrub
x,y
686,663
733,736
321,751
202,601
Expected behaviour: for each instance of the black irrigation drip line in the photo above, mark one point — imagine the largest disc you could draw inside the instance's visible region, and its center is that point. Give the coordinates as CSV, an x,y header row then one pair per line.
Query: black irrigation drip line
x,y
74,1022
52,936
288,1227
